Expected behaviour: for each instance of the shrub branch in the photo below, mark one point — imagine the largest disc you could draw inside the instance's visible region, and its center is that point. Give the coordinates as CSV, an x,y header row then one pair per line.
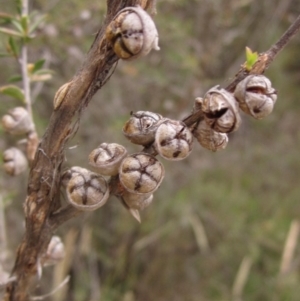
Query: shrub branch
x,y
42,207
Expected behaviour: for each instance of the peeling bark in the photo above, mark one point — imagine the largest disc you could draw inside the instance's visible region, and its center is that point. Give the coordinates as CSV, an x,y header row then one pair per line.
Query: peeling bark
x,y
43,195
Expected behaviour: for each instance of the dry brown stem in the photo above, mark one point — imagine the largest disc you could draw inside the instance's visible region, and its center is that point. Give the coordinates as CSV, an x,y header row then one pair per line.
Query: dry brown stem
x,y
43,197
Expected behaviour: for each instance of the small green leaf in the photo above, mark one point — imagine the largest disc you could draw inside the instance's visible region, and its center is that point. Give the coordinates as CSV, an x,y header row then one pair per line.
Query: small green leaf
x,y
24,23
251,58
19,6
12,91
13,47
18,26
38,65
36,23
10,32
15,78
44,71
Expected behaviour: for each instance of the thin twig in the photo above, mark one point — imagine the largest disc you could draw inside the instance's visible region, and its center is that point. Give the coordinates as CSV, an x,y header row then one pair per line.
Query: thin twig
x,y
61,285
284,40
64,214
3,238
263,62
7,281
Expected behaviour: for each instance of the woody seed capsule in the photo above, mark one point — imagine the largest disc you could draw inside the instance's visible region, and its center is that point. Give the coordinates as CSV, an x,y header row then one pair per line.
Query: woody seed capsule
x,y
141,173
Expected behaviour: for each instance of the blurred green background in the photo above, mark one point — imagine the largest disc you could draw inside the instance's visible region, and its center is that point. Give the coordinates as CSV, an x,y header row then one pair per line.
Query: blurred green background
x,y
219,223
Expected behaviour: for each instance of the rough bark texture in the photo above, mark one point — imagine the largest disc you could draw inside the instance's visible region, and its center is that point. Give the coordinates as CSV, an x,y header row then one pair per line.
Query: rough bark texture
x,y
43,188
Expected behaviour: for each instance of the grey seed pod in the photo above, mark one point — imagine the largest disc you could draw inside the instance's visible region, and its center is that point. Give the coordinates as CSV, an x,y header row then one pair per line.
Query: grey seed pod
x,y
173,140
209,138
15,161
141,173
17,121
55,251
87,190
141,127
107,158
137,201
132,33
220,110
256,96
68,174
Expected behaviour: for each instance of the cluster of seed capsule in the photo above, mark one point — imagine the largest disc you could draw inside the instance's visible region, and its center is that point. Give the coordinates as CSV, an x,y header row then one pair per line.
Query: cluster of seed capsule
x,y
132,33
16,122
254,95
140,174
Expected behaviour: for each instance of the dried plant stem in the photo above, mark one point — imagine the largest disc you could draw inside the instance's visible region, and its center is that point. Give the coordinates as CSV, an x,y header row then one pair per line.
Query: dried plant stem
x,y
289,247
44,180
283,41
3,238
241,278
61,285
199,232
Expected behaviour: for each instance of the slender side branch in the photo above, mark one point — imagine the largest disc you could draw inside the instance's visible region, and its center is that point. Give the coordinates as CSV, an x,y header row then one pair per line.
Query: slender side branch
x,y
63,215
263,62
285,38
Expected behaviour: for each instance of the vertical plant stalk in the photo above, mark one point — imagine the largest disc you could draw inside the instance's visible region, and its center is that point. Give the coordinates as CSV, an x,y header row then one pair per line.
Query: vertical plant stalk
x,y
32,137
43,193
3,237
24,65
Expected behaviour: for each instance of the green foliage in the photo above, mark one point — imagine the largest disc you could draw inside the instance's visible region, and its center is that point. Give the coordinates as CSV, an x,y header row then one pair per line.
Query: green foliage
x,y
251,58
12,91
20,29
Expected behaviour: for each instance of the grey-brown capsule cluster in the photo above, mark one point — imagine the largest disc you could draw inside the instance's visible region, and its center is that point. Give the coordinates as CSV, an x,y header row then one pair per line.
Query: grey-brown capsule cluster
x,y
16,122
172,138
254,95
15,161
140,174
